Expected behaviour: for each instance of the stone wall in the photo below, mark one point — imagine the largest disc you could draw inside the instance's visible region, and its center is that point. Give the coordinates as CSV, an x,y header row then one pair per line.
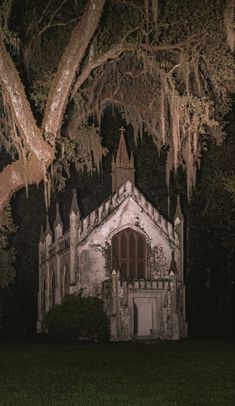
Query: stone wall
x,y
85,252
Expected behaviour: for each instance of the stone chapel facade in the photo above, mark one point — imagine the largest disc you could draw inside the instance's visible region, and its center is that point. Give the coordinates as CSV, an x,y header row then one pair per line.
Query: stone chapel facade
x,y
124,252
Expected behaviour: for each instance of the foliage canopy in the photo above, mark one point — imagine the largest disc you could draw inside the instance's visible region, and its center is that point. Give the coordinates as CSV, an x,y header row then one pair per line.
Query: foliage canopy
x,y
167,66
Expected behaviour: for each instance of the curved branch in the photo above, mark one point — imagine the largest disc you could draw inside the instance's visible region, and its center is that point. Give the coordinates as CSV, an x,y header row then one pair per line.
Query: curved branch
x,y
13,90
69,64
14,176
229,17
171,47
112,53
30,170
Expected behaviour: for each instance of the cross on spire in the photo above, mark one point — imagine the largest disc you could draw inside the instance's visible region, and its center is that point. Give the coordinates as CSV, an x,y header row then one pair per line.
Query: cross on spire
x,y
122,158
122,130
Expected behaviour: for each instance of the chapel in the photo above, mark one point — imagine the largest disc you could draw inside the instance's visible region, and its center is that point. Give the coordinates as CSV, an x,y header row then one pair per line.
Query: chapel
x,y
124,252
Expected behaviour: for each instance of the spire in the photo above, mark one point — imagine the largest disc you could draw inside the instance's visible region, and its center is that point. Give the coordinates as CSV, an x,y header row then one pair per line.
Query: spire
x,y
48,228
57,217
178,217
42,237
132,160
74,205
122,158
58,225
123,166
173,266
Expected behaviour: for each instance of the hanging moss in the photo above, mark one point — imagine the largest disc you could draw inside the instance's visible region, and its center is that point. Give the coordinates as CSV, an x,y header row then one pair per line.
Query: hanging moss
x,y
164,65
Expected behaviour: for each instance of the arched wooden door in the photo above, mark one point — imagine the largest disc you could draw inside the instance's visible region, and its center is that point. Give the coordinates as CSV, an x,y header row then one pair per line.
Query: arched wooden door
x,y
129,254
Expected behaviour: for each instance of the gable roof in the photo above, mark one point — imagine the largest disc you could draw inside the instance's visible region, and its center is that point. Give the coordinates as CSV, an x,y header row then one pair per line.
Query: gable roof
x,y
106,209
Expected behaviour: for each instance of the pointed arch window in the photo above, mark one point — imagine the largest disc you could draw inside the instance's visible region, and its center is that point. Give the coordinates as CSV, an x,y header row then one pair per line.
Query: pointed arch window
x,y
132,246
140,247
129,254
123,246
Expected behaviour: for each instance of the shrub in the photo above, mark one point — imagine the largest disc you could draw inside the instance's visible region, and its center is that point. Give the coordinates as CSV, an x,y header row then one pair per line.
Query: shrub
x,y
77,318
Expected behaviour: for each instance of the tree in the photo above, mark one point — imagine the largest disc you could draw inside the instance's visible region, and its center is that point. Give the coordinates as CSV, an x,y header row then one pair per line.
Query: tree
x,y
40,153
166,66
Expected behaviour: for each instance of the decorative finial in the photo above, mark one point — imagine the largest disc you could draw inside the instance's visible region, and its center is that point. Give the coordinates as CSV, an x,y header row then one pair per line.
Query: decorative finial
x,y
173,265
41,234
178,217
122,130
57,217
74,205
48,227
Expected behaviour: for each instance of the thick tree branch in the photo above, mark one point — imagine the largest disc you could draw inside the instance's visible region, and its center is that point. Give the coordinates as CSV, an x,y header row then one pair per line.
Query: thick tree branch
x,y
229,20
69,64
13,90
171,47
30,170
112,53
14,177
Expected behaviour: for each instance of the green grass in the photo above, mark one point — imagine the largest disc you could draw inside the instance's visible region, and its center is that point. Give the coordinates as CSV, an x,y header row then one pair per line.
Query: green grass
x,y
189,372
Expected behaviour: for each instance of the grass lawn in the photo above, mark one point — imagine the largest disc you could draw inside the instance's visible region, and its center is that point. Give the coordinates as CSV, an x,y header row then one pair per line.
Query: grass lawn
x,y
188,372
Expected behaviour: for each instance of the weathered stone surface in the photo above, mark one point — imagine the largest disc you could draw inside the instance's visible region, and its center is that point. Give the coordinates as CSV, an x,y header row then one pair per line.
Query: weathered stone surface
x,y
150,307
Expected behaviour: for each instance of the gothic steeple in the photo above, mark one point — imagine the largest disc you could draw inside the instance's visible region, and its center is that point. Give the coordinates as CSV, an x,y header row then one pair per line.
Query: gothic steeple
x,y
122,158
57,217
58,225
178,217
42,236
48,227
74,205
122,166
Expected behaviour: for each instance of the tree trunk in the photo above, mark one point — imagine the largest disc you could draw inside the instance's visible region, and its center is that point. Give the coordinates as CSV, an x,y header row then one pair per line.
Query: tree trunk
x,y
40,153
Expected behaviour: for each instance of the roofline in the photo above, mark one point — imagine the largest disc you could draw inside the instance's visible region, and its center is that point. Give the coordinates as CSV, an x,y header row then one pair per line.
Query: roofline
x,y
96,217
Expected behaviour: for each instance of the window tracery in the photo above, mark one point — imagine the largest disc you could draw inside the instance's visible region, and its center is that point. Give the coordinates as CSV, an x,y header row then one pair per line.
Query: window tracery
x,y
129,254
